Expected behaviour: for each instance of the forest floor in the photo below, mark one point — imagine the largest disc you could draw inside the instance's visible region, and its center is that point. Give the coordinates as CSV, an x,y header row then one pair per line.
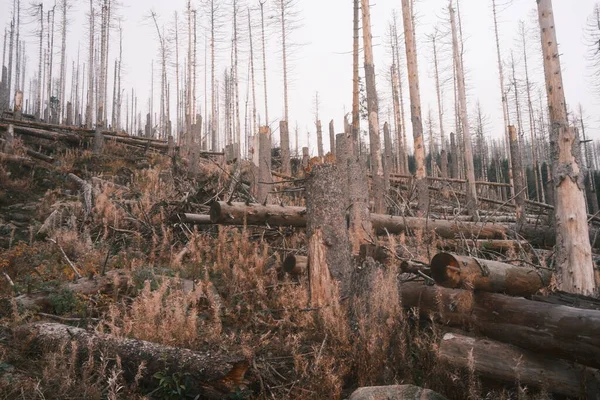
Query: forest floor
x,y
239,303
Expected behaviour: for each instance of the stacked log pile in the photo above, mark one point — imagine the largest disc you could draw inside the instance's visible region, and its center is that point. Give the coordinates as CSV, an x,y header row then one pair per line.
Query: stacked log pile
x,y
543,344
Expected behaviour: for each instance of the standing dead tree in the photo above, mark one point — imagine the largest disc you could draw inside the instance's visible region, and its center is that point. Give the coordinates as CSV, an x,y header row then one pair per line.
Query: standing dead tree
x,y
415,106
287,20
504,98
573,251
378,184
462,97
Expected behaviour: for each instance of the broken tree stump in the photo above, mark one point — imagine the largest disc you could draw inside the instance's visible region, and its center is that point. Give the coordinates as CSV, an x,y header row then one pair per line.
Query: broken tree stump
x,y
328,242
511,364
264,164
211,374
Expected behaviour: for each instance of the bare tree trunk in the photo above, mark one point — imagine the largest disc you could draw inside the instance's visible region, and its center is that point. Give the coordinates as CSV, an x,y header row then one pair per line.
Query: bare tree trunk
x,y
538,180
319,139
38,112
264,60
214,142
401,95
10,53
379,184
238,134
444,154
387,160
264,164
519,182
331,138
573,251
504,100
415,107
591,185
254,130
63,60
283,6
328,243
90,98
468,151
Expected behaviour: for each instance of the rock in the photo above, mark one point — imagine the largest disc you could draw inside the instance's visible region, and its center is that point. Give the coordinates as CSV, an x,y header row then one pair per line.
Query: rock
x,y
396,392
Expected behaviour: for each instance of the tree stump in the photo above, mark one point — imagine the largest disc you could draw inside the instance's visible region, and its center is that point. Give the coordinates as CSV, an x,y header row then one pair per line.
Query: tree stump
x,y
328,242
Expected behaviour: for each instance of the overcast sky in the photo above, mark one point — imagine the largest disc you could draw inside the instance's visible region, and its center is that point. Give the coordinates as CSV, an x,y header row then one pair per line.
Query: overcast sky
x,y
322,59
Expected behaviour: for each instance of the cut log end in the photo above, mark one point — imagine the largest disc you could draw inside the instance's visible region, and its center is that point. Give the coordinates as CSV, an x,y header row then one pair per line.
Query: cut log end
x,y
445,270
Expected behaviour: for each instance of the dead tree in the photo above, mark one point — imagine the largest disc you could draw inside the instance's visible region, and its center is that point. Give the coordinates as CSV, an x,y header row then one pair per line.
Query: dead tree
x,y
360,225
332,149
264,164
285,16
38,108
504,99
328,242
264,59
589,169
519,181
573,252
415,106
379,184
444,154
462,97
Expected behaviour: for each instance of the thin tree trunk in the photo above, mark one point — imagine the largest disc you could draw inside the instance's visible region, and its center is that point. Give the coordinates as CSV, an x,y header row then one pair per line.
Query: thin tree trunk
x,y
573,251
285,137
379,184
519,181
415,107
504,100
468,151
444,154
90,99
264,60
254,132
331,138
39,82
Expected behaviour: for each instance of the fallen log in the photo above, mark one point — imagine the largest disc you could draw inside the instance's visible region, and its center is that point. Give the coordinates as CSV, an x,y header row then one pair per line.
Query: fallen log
x,y
396,392
212,375
557,330
112,282
511,364
276,215
256,214
295,265
39,156
415,267
48,135
495,245
454,271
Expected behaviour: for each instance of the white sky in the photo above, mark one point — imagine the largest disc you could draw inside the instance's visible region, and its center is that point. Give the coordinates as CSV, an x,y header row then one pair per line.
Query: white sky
x,y
324,62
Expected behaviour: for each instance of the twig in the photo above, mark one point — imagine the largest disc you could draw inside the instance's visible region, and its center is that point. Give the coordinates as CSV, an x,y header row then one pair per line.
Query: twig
x,y
67,258
11,283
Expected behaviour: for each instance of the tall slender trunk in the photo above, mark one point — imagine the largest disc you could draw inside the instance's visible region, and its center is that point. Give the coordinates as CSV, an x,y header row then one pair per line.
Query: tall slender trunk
x,y
355,83
379,183
285,136
254,133
462,98
90,99
177,100
214,143
575,268
63,60
539,188
10,53
521,146
19,49
444,154
415,107
238,133
504,101
264,59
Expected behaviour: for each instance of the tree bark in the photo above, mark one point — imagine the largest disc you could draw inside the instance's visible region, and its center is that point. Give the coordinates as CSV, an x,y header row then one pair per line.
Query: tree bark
x,y
415,107
510,364
320,151
464,119
454,271
379,184
264,164
328,241
518,179
212,374
556,330
573,252
332,138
